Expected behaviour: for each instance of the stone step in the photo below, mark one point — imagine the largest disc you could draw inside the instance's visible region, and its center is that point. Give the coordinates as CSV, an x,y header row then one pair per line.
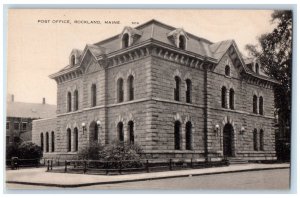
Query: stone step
x,y
237,161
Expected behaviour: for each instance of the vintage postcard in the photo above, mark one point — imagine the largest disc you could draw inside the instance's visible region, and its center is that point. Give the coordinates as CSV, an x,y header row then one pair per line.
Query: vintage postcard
x,y
149,99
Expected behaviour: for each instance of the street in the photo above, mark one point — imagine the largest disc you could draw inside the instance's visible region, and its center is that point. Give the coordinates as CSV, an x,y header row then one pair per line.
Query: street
x,y
277,179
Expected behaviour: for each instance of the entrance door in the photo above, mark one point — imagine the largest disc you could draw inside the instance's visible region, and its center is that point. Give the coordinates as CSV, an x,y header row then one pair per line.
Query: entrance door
x,y
227,140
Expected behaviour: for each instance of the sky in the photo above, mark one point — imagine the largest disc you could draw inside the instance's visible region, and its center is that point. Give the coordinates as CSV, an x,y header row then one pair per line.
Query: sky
x,y
37,49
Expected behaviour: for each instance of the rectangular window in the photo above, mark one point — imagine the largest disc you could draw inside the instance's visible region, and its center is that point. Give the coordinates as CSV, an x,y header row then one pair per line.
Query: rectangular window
x,y
24,126
7,125
16,126
7,139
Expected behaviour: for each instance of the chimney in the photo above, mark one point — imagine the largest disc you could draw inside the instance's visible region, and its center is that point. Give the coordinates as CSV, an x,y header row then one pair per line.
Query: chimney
x,y
44,100
12,97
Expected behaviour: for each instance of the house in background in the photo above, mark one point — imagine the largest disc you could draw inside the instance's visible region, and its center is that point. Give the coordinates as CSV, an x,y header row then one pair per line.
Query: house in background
x,y
19,117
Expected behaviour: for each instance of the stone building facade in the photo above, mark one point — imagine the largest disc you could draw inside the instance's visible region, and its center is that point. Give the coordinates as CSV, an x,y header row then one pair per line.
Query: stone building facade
x,y
175,94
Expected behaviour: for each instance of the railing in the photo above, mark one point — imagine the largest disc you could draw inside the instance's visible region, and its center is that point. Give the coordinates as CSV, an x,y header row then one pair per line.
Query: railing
x,y
16,163
127,166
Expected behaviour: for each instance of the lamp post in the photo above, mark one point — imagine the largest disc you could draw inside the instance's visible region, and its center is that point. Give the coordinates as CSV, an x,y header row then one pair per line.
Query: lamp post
x,y
83,127
217,131
98,123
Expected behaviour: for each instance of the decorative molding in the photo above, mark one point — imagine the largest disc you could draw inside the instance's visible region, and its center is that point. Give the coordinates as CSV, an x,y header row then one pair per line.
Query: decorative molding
x,y
177,73
177,117
130,72
68,126
187,76
130,118
118,76
120,118
75,125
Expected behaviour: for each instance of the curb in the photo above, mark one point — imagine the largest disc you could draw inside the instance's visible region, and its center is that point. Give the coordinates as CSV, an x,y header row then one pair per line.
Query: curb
x,y
141,179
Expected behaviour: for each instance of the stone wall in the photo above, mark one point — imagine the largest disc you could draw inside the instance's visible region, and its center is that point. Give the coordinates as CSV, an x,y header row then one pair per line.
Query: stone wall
x,y
43,126
241,116
163,74
139,69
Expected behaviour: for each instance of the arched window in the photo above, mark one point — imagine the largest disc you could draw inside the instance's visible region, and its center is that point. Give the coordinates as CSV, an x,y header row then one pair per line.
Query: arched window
x,y
131,132
227,70
255,140
188,136
182,42
261,105
177,138
94,95
125,40
72,60
254,104
188,91
42,141
75,139
69,102
261,140
47,142
96,132
224,98
52,142
130,87
177,89
257,68
120,90
69,143
120,132
75,100
231,99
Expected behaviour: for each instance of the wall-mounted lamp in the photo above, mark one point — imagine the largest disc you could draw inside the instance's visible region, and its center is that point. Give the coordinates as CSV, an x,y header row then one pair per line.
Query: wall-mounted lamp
x,y
98,123
83,127
217,127
242,130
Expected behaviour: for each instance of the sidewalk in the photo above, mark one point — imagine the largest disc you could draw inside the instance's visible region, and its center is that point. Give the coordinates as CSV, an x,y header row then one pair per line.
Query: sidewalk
x,y
39,176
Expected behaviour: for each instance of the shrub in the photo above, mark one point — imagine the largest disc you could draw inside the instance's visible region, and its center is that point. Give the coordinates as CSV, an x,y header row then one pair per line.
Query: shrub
x,y
29,150
12,151
122,155
25,150
91,152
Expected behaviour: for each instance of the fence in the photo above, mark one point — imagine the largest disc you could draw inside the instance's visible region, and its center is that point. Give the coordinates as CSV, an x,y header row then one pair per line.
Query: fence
x,y
16,163
127,166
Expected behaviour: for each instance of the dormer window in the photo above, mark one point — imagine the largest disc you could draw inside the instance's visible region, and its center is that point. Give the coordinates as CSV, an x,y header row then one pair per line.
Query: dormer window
x,y
74,57
125,40
129,36
72,60
179,38
182,42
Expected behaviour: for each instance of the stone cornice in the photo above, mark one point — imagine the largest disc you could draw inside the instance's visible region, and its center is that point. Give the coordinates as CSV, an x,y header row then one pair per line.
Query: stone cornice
x,y
255,80
165,51
158,49
249,80
68,75
165,101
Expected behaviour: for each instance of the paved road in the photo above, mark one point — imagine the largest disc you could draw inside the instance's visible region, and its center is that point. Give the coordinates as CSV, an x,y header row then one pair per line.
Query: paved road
x,y
266,179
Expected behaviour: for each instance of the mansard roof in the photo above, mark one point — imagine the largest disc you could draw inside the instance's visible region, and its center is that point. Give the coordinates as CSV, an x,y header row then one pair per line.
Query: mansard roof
x,y
30,110
154,30
96,51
